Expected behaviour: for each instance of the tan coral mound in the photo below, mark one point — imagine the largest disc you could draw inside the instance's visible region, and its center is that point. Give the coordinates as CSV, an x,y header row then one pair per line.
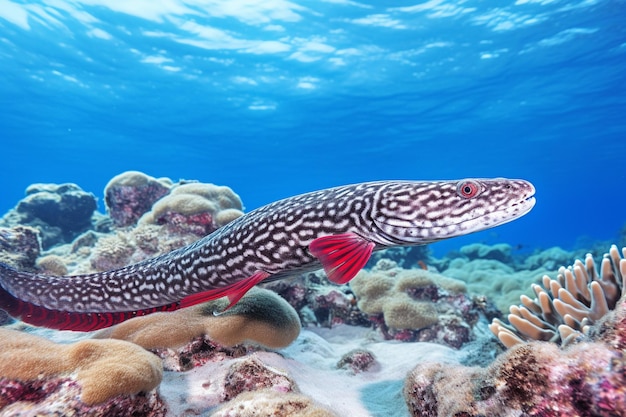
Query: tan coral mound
x,y
260,317
565,307
103,368
194,199
395,293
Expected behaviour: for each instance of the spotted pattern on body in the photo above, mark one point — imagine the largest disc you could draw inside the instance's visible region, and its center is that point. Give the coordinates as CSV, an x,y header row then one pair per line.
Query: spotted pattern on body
x,y
336,229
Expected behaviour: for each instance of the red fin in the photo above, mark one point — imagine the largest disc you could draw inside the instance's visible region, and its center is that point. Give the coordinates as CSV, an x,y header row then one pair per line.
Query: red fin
x,y
342,256
69,320
234,292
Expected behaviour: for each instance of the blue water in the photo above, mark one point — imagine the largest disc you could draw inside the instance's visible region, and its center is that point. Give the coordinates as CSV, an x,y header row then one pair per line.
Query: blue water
x,y
278,97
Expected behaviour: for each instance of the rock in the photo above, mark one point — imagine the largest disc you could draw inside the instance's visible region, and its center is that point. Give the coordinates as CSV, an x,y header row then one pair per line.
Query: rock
x,y
131,194
59,211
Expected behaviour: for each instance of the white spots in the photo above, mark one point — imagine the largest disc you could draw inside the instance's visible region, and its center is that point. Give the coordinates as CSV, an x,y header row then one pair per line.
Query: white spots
x,y
305,233
328,224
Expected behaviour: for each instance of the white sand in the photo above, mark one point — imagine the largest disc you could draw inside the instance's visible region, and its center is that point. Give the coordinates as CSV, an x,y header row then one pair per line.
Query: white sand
x,y
312,362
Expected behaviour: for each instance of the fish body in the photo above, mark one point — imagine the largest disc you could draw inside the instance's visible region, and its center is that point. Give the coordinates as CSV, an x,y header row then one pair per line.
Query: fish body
x,y
337,229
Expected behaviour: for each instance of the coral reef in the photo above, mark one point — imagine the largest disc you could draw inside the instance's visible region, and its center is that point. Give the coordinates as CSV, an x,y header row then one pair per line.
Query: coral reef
x,y
131,194
534,379
357,360
250,374
199,351
405,257
319,302
52,265
260,317
565,307
268,403
416,305
195,208
500,252
500,282
586,378
102,369
59,211
19,247
60,397
223,365
153,217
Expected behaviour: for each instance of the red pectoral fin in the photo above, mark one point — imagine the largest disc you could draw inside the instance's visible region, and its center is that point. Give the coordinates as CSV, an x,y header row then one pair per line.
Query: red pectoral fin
x,y
234,292
342,256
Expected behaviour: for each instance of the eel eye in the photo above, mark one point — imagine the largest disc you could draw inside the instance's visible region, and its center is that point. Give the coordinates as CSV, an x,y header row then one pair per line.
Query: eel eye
x,y
467,189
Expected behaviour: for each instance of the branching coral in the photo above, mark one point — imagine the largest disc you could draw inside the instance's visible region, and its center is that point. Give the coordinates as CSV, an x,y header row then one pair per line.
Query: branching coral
x,y
565,307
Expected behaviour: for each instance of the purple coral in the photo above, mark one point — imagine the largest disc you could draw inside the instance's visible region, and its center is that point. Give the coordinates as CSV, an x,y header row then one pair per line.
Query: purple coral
x,y
250,374
358,360
200,224
532,379
20,247
60,396
198,352
131,194
320,303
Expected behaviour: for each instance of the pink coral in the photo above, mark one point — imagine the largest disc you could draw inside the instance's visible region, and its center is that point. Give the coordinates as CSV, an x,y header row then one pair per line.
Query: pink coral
x,y
358,360
199,351
200,224
532,379
131,194
250,374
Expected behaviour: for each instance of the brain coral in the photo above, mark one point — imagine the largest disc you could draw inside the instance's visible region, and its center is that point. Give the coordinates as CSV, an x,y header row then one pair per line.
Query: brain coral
x,y
195,207
103,368
417,305
565,307
405,297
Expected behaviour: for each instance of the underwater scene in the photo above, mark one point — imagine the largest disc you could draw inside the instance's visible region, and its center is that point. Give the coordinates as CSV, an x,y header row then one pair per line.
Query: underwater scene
x,y
246,208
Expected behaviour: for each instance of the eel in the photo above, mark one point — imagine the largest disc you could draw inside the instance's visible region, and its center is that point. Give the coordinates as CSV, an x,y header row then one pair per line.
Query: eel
x,y
336,228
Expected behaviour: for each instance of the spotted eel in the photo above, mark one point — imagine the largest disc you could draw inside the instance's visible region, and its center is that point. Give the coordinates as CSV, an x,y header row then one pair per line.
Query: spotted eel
x,y
337,229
